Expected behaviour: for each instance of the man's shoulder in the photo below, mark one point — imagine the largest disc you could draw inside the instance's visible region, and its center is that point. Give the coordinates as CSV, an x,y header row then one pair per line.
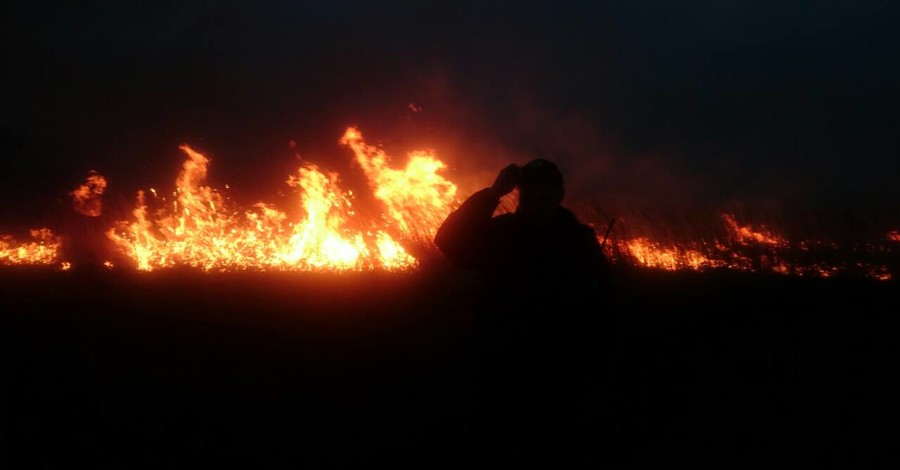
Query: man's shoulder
x,y
570,220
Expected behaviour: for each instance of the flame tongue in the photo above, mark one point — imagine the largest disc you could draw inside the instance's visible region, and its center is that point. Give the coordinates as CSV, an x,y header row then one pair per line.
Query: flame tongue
x,y
199,227
417,198
200,230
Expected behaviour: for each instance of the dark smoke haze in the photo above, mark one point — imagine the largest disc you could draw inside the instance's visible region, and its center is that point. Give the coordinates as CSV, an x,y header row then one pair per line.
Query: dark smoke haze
x,y
648,104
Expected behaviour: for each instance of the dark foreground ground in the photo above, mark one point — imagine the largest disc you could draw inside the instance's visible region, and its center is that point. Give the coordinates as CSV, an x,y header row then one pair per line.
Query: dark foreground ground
x,y
182,370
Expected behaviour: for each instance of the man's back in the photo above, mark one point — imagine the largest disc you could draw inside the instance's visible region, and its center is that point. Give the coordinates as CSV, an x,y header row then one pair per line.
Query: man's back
x,y
558,255
562,255
538,322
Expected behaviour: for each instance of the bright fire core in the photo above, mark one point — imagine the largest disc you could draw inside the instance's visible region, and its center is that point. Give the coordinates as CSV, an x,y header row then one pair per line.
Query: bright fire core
x,y
199,228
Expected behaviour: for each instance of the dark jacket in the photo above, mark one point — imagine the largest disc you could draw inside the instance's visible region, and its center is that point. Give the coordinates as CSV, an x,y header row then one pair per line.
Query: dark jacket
x,y
542,288
560,258
541,330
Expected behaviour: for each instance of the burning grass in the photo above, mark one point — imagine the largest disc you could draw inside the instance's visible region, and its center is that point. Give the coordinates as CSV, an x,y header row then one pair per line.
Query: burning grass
x,y
201,228
198,226
724,242
42,249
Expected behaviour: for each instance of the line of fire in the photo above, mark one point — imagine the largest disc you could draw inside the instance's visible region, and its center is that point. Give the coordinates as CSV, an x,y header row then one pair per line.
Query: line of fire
x,y
197,226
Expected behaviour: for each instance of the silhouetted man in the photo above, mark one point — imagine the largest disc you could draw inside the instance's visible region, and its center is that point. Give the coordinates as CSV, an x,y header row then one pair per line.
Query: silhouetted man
x,y
537,332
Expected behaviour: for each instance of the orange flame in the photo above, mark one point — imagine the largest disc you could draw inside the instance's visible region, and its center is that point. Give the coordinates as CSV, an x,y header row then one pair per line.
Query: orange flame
x,y
701,255
42,251
86,199
655,255
746,235
200,230
199,227
744,248
417,197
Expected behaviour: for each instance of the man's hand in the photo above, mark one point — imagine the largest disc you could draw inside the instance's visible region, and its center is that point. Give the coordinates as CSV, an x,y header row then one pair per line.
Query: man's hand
x,y
506,180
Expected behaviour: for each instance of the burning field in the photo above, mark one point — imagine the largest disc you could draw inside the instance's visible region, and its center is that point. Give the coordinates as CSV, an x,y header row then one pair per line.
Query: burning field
x,y
217,225
194,225
188,329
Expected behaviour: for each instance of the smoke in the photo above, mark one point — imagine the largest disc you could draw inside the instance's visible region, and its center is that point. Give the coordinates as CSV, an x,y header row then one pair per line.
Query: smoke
x,y
479,137
612,169
662,108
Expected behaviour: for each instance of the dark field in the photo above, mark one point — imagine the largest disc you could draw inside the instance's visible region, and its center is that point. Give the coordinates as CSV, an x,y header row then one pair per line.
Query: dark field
x,y
183,370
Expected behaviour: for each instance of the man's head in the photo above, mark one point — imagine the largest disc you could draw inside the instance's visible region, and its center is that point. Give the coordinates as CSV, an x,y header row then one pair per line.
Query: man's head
x,y
540,184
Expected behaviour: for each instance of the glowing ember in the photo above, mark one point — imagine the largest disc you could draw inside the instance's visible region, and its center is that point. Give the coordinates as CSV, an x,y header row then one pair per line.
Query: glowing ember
x,y
200,230
43,249
86,199
894,235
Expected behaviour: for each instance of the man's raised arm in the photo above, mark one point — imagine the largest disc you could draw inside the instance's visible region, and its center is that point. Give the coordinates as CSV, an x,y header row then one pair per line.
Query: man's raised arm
x,y
464,237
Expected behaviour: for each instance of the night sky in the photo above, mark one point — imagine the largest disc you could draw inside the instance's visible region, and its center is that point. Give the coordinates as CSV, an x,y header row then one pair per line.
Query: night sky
x,y
644,103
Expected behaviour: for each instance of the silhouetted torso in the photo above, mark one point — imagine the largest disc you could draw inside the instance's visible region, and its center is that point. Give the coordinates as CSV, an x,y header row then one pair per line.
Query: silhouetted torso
x,y
552,260
539,330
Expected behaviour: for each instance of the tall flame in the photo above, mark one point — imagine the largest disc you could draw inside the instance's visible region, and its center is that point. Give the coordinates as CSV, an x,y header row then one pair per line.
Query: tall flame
x,y
417,198
201,230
